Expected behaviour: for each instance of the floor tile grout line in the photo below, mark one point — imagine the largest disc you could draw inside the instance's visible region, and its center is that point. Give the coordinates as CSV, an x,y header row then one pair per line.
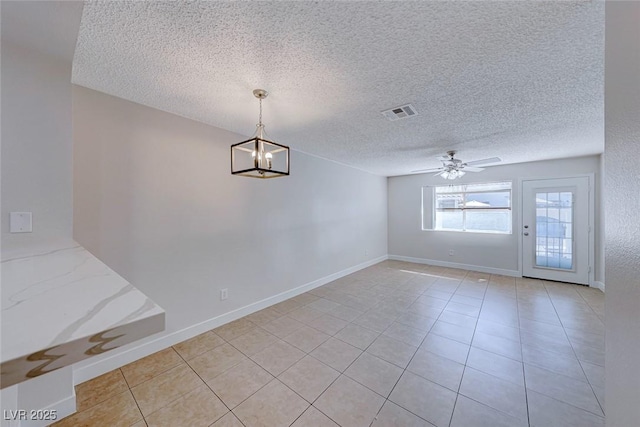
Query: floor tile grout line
x,y
394,300
523,361
361,352
590,306
524,375
405,369
569,404
562,325
492,408
256,363
343,373
186,363
129,387
200,354
105,399
209,387
453,409
551,397
577,358
281,382
134,398
464,368
155,376
414,354
543,368
158,374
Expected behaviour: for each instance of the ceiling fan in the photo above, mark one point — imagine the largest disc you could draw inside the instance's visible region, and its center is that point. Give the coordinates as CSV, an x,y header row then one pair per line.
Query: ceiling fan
x,y
453,168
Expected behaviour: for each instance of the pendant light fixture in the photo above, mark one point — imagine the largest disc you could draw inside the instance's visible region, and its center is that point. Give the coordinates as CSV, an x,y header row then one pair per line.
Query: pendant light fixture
x,y
258,157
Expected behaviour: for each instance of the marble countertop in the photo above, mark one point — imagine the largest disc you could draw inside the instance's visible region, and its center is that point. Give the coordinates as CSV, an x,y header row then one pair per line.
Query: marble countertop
x,y
60,304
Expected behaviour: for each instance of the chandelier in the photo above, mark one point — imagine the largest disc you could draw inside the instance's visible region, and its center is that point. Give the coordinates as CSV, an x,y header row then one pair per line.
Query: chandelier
x,y
258,157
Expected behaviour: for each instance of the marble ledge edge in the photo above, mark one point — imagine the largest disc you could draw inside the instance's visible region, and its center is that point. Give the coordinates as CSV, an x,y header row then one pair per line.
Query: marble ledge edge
x,y
41,362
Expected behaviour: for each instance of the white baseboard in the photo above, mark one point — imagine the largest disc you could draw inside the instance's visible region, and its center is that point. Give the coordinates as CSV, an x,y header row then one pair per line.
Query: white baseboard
x,y
481,269
114,359
597,284
63,408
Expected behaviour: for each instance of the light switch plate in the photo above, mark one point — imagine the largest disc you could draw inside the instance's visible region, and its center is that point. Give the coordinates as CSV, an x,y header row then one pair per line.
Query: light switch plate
x,y
20,222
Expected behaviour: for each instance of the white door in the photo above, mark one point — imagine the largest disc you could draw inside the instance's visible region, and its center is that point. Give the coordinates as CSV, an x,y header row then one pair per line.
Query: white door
x,y
555,229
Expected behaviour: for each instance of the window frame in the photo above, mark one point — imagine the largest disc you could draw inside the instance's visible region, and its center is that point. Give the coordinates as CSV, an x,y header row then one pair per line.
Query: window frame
x,y
434,209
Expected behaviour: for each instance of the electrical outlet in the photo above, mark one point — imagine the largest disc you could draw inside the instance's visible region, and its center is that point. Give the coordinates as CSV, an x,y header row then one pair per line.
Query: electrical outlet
x,y
366,252
224,294
451,252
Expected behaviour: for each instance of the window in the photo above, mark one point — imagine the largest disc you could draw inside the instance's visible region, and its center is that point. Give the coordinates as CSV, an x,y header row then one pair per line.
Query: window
x,y
478,208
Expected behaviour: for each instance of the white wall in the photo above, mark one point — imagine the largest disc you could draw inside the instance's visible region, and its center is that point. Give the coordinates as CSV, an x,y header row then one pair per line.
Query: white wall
x,y
155,200
37,177
36,143
600,235
492,252
622,223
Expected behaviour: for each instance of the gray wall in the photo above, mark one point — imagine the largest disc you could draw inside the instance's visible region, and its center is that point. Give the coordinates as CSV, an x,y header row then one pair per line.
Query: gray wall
x,y
37,177
36,143
622,201
155,200
493,251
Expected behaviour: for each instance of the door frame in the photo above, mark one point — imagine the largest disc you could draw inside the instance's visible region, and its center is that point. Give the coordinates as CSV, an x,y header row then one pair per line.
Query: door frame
x,y
592,220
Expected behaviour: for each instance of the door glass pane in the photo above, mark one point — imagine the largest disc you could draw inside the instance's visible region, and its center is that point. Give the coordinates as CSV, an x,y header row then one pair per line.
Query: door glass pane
x,y
554,230
565,214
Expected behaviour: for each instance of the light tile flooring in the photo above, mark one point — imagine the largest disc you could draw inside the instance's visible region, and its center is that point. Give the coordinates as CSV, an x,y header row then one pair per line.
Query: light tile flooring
x,y
396,344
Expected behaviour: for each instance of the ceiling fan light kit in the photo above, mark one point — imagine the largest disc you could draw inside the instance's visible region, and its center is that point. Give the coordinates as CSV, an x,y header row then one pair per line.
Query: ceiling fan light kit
x,y
451,174
258,157
453,168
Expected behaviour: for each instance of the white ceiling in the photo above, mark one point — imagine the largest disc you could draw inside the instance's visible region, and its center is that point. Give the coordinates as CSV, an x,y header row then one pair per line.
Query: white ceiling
x,y
515,79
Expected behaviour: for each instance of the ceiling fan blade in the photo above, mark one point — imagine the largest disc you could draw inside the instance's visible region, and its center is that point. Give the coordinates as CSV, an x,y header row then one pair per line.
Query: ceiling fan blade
x,y
484,161
429,170
472,169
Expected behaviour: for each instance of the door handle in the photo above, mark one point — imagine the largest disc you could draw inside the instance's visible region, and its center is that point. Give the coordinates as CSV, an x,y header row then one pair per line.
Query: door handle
x,y
526,234
526,226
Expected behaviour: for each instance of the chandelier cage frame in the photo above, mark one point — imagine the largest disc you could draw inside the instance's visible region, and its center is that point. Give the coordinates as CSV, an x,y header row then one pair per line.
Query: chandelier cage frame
x,y
258,157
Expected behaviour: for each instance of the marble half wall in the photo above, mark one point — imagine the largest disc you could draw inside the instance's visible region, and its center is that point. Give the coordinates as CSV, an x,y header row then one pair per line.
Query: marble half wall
x,y
60,305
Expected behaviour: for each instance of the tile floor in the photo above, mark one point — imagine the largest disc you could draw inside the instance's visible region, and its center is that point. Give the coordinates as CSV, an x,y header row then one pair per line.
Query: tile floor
x,y
396,344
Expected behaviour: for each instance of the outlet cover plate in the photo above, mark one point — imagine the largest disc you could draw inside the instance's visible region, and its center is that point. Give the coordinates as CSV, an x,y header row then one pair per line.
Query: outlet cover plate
x,y
20,222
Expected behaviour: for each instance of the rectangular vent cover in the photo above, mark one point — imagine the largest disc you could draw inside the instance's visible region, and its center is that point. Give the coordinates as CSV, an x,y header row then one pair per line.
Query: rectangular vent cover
x,y
402,112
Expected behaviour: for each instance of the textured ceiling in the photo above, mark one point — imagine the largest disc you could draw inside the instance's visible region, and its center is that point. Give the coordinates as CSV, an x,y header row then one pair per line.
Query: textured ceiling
x,y
519,80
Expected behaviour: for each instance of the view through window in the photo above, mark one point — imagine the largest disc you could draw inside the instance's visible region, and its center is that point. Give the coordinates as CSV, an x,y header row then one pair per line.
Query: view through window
x,y
480,208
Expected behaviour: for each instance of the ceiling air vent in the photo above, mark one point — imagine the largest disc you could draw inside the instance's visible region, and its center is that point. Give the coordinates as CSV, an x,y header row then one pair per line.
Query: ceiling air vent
x,y
401,112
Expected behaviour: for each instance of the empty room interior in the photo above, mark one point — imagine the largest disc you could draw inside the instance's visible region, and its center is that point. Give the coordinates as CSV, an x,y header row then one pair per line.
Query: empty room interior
x,y
227,214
